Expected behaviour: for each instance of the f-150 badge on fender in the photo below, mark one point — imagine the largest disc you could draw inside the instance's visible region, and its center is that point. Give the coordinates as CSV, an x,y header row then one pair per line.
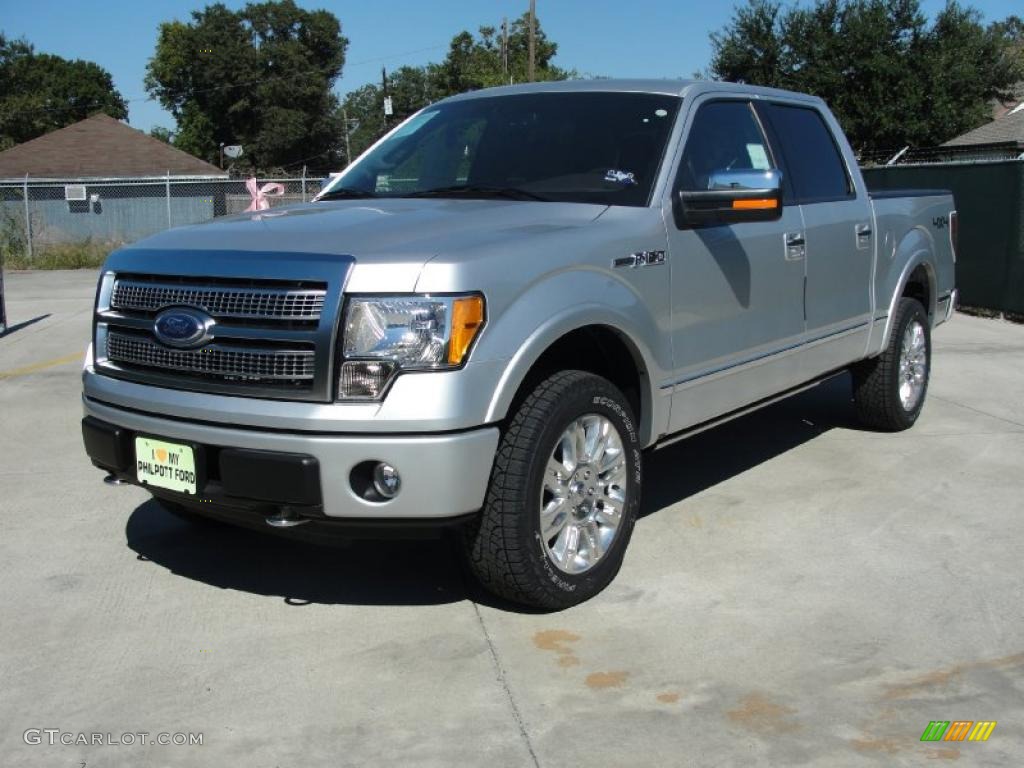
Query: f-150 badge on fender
x,y
641,259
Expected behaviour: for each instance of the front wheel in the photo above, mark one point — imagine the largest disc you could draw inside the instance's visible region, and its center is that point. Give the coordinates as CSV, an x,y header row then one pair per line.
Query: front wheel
x,y
563,495
889,390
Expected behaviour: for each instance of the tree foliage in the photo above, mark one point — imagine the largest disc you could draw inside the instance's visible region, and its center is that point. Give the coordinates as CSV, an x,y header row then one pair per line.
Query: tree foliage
x,y
260,77
472,62
40,92
891,78
475,62
161,133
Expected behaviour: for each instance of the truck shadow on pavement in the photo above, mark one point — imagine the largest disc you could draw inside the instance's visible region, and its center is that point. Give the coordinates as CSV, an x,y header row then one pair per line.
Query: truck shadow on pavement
x,y
428,571
691,466
330,571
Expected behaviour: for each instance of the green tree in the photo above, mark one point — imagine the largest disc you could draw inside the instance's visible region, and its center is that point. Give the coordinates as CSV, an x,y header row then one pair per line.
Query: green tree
x,y
891,78
260,77
472,62
40,92
749,48
159,132
475,62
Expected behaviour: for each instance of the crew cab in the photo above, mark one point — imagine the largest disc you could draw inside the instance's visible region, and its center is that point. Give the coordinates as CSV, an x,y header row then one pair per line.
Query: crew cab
x,y
491,316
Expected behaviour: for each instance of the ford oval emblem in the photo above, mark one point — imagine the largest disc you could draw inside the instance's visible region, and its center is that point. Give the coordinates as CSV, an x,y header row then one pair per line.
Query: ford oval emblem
x,y
182,327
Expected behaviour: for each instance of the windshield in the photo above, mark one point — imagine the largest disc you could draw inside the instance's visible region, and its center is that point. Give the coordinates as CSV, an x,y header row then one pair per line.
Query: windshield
x,y
601,147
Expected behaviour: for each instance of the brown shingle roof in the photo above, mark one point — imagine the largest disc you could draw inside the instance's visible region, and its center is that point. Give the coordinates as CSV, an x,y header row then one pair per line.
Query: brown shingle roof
x,y
1009,128
100,146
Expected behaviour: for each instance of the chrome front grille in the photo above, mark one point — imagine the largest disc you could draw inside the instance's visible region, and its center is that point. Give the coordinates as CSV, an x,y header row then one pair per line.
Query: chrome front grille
x,y
225,362
246,302
270,337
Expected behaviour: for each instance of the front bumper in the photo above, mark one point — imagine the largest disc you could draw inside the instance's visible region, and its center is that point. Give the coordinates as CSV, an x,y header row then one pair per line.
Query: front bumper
x,y
443,475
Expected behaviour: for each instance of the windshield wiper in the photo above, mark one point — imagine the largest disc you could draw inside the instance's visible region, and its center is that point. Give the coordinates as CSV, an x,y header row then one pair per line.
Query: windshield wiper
x,y
478,190
344,193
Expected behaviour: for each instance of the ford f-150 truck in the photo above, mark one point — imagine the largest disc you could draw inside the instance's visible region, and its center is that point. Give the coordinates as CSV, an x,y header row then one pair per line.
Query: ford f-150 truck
x,y
490,316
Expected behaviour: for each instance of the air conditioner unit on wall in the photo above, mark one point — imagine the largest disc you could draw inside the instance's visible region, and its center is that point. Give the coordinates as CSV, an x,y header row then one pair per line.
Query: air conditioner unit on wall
x,y
74,192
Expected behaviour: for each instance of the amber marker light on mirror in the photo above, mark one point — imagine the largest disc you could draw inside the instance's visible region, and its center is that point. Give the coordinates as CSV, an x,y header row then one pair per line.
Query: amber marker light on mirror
x,y
467,318
764,204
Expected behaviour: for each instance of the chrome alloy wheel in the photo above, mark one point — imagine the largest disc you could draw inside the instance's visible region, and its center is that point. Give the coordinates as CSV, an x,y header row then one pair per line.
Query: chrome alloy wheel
x,y
913,365
583,493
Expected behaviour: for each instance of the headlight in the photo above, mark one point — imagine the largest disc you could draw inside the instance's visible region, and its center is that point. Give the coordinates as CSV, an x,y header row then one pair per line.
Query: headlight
x,y
387,334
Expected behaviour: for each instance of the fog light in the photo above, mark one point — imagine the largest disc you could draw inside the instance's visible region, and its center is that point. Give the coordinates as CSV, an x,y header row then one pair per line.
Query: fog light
x,y
361,380
386,480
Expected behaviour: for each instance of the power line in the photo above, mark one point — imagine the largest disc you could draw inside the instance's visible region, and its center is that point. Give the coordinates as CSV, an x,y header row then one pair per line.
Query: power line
x,y
228,86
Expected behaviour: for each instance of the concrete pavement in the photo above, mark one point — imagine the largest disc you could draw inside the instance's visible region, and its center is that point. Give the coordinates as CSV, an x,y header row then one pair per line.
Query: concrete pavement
x,y
798,592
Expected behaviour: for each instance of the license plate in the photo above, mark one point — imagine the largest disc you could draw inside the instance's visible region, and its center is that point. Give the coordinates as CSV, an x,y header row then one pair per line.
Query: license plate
x,y
165,465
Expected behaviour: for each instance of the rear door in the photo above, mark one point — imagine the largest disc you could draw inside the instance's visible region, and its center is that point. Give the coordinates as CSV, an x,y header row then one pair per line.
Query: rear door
x,y
836,231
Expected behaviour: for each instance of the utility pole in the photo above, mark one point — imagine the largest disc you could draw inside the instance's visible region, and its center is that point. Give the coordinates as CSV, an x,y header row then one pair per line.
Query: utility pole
x,y
504,46
531,71
348,145
384,82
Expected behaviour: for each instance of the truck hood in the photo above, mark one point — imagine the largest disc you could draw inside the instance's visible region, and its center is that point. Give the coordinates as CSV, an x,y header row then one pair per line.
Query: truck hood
x,y
379,231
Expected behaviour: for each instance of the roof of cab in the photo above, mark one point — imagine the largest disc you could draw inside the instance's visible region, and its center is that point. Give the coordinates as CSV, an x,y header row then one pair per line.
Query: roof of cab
x,y
665,87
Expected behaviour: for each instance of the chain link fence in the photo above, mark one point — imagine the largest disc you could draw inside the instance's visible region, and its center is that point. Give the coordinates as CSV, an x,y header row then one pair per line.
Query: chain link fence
x,y
78,221
977,153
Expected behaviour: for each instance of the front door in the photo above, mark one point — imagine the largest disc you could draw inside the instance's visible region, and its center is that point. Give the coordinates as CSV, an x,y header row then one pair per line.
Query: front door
x,y
737,290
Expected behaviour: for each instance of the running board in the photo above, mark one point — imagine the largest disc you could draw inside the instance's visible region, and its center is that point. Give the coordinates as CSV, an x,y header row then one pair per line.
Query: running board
x,y
664,442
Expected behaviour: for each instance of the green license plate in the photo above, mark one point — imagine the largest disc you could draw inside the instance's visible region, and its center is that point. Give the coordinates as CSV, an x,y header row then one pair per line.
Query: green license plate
x,y
165,465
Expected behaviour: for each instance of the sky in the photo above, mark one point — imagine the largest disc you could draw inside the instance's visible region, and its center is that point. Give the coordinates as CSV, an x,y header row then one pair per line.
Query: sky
x,y
613,38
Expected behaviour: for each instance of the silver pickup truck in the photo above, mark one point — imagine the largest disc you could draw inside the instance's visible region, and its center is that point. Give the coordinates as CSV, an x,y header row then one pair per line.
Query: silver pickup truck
x,y
491,315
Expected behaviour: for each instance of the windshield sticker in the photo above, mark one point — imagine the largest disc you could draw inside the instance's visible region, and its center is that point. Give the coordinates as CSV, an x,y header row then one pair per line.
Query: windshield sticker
x,y
620,177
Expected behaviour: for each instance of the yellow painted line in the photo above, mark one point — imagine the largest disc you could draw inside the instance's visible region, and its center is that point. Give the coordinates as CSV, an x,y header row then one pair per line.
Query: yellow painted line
x,y
25,370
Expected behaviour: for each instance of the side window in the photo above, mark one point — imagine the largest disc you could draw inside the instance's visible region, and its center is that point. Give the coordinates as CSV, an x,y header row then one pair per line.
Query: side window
x,y
816,169
725,135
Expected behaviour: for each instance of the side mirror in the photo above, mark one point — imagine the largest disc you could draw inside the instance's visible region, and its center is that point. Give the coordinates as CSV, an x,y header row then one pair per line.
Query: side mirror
x,y
732,197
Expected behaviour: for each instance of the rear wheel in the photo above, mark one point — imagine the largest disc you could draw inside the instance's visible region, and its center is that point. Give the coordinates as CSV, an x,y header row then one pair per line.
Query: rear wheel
x,y
889,390
563,495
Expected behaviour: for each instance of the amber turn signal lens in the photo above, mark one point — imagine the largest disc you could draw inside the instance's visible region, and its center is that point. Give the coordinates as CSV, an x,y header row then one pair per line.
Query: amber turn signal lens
x,y
467,318
764,204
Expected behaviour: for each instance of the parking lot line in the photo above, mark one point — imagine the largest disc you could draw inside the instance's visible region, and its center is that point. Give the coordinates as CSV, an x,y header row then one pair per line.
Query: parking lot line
x,y
34,367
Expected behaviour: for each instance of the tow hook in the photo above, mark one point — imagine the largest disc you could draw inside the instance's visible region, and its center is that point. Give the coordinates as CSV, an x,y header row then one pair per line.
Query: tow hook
x,y
113,480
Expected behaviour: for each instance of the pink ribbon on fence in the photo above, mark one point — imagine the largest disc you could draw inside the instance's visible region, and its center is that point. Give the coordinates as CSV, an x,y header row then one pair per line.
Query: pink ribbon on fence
x,y
260,194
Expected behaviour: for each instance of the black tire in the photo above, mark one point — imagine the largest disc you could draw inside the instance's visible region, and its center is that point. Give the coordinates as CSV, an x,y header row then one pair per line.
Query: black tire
x,y
876,382
503,545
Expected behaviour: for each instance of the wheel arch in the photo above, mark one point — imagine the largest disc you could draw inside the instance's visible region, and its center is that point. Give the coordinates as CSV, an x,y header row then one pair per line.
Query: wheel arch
x,y
916,280
589,341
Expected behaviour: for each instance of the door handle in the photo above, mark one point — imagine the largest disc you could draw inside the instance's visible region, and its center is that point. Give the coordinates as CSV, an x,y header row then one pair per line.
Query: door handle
x,y
862,232
796,246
